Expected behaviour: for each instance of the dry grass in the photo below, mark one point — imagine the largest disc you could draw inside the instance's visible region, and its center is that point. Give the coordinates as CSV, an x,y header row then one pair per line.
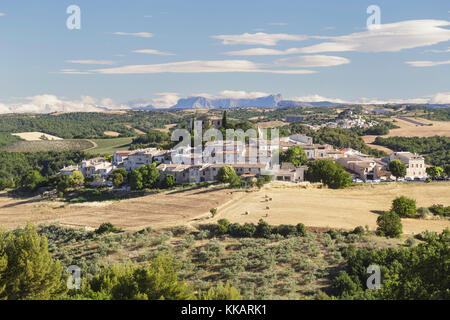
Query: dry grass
x,y
408,129
319,208
112,133
158,210
50,145
346,209
35,136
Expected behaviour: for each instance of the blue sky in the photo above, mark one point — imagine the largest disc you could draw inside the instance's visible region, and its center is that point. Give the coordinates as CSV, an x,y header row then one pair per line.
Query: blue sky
x,y
157,51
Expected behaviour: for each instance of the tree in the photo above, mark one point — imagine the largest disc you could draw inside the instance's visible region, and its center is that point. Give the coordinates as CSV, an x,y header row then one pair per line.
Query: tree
x,y
389,225
136,180
27,269
397,168
404,207
76,178
169,181
434,171
117,179
329,173
447,170
157,281
295,155
225,120
227,174
149,175
32,180
263,229
63,183
220,292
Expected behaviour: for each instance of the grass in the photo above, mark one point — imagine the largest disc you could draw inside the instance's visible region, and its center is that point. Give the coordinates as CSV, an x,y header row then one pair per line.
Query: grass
x,y
108,146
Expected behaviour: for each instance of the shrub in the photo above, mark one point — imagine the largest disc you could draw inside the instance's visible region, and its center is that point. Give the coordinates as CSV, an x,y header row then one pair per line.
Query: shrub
x,y
439,209
223,226
404,207
301,229
106,227
358,230
389,225
213,212
263,229
285,230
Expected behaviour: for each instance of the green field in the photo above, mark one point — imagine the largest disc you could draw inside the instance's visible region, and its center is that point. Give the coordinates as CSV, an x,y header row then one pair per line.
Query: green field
x,y
108,146
49,145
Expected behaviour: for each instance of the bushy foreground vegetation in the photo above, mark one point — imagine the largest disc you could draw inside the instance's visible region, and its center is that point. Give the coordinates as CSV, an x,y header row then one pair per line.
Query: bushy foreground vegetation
x,y
200,264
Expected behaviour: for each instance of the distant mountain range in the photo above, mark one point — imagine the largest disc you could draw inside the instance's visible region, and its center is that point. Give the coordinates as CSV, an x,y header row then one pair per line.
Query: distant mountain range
x,y
270,101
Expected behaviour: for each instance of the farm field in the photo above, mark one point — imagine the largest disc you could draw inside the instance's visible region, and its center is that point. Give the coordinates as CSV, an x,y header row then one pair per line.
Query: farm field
x,y
342,209
49,145
321,208
108,146
35,136
158,210
408,129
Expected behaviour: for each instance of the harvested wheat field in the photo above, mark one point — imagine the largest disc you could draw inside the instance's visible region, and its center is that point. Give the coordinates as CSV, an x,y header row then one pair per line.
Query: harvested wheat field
x,y
35,136
157,210
409,129
341,209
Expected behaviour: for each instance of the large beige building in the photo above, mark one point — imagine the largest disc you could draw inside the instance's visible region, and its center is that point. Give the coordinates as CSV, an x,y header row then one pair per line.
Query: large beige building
x,y
415,164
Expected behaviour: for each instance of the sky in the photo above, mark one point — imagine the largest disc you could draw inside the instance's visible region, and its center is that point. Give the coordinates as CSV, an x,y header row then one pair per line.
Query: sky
x,y
134,52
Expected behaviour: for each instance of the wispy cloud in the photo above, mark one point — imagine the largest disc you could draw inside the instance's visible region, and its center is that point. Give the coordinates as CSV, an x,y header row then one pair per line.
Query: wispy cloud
x,y
153,51
2,14
136,34
199,66
312,61
99,62
280,24
427,63
148,16
72,71
259,38
390,37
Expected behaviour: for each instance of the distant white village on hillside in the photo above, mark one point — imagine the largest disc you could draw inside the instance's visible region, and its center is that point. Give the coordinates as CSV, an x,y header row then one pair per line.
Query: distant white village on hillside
x,y
252,161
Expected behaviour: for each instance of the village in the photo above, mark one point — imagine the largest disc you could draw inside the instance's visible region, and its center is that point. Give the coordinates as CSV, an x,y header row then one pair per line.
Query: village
x,y
258,158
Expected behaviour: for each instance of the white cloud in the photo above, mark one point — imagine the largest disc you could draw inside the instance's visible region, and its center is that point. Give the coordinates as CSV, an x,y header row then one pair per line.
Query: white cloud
x,y
48,103
136,34
258,38
198,66
441,98
153,51
438,51
427,63
100,62
390,37
312,61
256,52
316,98
2,14
72,71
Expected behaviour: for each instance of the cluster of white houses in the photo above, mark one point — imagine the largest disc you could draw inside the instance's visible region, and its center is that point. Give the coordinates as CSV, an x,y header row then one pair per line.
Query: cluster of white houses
x,y
254,160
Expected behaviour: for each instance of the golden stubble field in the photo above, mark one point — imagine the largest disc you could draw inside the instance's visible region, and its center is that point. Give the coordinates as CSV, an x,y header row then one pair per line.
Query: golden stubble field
x,y
157,210
342,209
408,129
322,208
